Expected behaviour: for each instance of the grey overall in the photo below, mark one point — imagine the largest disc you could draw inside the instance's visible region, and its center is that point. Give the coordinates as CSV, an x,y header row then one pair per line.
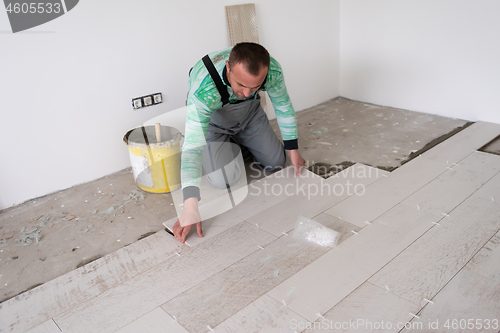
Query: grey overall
x,y
234,125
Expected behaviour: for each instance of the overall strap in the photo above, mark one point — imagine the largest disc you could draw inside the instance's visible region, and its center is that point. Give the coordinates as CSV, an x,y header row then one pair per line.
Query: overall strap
x,y
217,80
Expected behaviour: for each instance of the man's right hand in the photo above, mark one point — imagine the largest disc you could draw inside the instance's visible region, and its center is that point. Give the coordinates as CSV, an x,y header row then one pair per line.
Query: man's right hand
x,y
189,216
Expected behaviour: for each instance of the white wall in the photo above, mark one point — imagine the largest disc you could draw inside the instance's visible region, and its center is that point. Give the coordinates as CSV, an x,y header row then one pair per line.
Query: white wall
x,y
435,56
66,86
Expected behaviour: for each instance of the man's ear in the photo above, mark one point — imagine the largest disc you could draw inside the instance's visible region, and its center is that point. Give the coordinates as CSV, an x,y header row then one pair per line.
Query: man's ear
x,y
227,66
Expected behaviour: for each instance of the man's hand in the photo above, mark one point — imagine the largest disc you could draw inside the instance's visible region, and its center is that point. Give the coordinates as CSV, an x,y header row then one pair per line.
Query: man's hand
x,y
296,159
189,216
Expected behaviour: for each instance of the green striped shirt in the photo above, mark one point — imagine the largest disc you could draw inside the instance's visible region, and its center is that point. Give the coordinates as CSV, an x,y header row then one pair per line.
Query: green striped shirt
x,y
204,99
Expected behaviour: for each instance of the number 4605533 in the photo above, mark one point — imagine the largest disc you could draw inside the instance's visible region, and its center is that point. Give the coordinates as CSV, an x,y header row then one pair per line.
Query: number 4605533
x,y
34,8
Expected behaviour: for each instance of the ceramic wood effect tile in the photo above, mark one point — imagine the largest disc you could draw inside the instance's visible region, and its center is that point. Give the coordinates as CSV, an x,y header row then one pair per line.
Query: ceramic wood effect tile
x,y
259,197
470,301
262,315
485,262
227,292
156,321
389,234
318,287
369,308
316,198
47,327
490,190
134,298
275,188
387,192
448,190
461,144
211,227
61,294
430,262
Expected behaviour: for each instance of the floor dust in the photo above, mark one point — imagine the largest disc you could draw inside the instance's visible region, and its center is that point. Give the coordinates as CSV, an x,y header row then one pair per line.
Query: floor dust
x,y
46,237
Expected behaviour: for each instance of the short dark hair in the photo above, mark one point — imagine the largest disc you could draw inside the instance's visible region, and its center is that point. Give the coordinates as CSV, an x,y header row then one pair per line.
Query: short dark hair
x,y
253,57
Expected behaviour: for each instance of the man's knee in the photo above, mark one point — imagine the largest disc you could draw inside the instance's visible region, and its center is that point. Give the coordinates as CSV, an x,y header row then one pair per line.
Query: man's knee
x,y
223,164
227,175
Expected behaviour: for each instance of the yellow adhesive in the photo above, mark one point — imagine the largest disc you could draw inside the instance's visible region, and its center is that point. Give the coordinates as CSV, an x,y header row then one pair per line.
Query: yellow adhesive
x,y
157,165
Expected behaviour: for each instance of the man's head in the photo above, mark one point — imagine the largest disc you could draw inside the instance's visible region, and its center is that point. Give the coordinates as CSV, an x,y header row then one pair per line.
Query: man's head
x,y
247,68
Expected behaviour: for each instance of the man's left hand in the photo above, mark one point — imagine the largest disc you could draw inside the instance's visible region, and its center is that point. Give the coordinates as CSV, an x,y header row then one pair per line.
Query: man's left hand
x,y
296,159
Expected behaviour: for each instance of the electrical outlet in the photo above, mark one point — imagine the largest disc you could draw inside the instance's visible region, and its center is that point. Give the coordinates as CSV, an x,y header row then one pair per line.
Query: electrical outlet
x,y
137,103
157,98
147,100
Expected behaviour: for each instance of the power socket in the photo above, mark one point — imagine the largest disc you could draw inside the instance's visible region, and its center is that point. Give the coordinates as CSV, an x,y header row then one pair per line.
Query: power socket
x,y
148,100
137,103
157,98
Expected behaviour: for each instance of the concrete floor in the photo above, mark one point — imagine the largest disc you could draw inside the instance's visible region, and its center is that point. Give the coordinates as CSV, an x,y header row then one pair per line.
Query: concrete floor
x,y
492,147
47,237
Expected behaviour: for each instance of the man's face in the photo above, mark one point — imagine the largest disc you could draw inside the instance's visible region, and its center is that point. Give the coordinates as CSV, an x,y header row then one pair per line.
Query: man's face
x,y
242,82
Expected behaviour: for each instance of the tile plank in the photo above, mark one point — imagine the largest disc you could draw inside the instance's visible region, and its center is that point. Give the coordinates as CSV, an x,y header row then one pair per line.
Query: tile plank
x,y
387,192
367,309
227,292
133,327
315,199
211,227
474,293
390,234
467,296
430,262
47,327
156,321
448,190
134,298
61,294
262,315
265,193
485,262
260,195
325,282
490,190
460,145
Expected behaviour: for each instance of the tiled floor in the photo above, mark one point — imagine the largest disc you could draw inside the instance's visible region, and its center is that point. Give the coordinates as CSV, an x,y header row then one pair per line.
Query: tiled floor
x,y
419,246
88,221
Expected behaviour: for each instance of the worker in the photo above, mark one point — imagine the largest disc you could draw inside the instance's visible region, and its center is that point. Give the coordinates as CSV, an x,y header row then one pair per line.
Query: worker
x,y
223,114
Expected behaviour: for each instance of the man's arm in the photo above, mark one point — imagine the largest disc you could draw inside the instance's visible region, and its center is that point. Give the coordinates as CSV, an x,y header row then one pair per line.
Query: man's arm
x,y
285,113
203,98
190,215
